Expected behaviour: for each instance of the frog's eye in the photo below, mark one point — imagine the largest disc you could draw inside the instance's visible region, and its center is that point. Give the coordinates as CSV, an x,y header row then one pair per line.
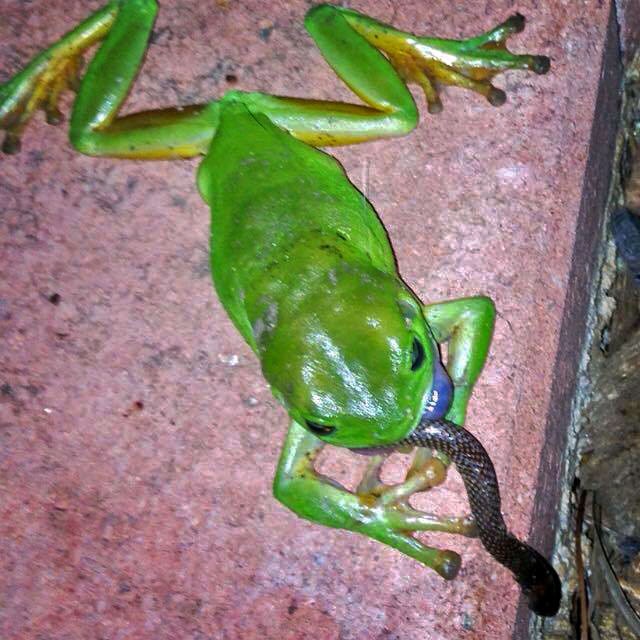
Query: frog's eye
x,y
417,354
319,429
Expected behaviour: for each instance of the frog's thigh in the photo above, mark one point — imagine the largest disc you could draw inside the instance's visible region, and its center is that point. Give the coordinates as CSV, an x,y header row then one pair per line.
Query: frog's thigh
x,y
324,123
161,134
96,129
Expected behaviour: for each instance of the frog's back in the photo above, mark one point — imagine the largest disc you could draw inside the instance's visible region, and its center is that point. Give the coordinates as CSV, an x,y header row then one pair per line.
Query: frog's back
x,y
277,201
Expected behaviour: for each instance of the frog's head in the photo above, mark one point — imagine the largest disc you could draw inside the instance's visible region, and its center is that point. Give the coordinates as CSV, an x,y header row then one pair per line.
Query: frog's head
x,y
353,360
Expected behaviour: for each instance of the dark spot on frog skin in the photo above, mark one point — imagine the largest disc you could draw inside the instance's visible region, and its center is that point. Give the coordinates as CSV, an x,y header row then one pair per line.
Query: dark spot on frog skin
x,y
408,311
54,299
267,322
329,248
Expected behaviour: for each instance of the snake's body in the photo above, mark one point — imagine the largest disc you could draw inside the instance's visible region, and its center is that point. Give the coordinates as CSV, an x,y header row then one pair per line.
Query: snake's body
x,y
539,581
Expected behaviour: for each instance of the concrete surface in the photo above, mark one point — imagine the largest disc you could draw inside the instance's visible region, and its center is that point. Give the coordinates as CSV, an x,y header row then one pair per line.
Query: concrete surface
x,y
138,437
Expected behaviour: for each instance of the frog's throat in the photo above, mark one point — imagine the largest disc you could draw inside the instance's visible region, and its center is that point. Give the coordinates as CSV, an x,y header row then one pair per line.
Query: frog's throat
x,y
436,403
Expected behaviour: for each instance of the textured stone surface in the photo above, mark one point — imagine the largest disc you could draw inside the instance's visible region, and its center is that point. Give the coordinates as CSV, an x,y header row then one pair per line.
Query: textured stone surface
x,y
628,16
138,436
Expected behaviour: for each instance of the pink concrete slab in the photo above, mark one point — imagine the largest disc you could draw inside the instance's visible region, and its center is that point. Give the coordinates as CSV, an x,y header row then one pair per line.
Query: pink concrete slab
x,y
139,438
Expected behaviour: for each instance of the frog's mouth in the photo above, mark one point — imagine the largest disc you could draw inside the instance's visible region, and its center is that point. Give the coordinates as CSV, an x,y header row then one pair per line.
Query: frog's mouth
x,y
436,404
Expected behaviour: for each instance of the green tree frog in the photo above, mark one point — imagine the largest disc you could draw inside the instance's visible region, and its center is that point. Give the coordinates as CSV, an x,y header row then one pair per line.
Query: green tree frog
x,y
304,268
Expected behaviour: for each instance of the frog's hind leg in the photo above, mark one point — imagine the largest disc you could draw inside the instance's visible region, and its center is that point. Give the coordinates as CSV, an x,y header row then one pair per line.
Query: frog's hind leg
x,y
388,110
429,62
124,27
353,44
40,83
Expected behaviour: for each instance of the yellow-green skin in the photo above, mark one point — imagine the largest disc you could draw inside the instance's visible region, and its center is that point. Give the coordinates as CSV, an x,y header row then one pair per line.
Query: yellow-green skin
x,y
299,258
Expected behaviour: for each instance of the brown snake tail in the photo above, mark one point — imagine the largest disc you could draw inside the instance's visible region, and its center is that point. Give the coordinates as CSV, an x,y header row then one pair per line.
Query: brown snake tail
x,y
539,582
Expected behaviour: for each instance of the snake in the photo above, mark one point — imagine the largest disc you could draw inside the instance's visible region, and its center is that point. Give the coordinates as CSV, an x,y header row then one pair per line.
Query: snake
x,y
538,580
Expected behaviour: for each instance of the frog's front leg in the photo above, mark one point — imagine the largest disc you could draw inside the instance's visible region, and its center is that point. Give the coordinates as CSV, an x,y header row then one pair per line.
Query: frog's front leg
x,y
466,326
380,515
377,510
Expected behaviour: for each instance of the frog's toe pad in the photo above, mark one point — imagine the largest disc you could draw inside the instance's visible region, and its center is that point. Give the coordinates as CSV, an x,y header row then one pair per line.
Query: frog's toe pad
x,y
496,97
449,564
54,116
515,23
540,65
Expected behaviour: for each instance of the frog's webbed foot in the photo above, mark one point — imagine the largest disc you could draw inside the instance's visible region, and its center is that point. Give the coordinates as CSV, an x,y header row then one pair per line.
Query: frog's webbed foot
x,y
52,71
401,518
471,63
37,87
